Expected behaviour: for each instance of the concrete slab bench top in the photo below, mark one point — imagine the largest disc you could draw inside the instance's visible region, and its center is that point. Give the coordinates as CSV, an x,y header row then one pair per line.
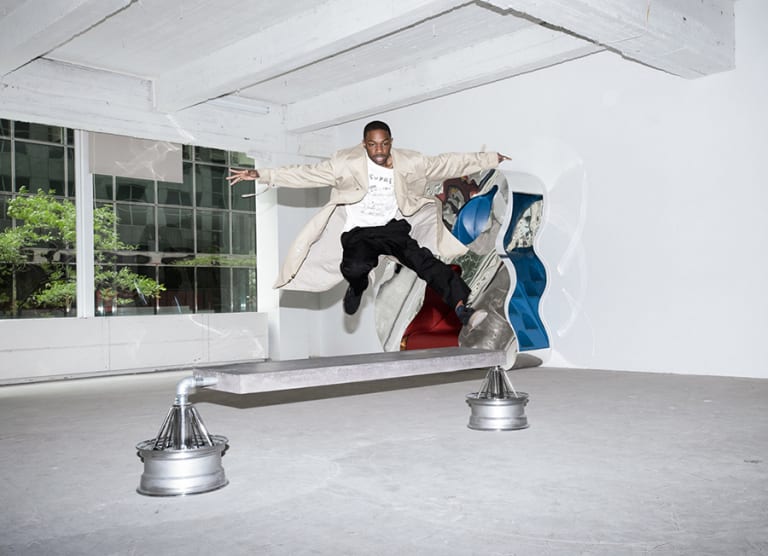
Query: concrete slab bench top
x,y
268,376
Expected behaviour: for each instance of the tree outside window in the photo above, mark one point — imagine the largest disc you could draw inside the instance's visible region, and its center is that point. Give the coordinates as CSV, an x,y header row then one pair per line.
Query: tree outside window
x,y
41,247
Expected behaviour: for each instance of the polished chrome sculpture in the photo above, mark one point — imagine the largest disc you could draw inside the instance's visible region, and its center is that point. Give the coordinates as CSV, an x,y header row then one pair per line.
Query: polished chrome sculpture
x,y
183,458
497,406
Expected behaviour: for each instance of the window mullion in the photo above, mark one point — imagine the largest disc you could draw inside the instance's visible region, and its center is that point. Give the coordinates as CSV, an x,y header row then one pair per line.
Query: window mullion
x,y
84,226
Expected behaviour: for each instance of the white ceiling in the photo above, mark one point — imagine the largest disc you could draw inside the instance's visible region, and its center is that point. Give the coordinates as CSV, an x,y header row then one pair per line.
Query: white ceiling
x,y
327,62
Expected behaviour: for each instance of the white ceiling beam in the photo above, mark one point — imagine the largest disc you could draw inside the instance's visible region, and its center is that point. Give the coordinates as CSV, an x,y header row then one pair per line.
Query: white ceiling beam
x,y
97,100
498,58
683,37
329,28
34,28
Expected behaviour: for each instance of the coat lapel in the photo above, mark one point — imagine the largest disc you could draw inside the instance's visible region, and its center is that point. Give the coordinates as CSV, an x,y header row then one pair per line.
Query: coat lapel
x,y
401,167
359,168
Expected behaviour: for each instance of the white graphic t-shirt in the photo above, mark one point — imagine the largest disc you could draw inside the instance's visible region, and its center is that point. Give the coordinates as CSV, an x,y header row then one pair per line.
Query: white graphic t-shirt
x,y
379,206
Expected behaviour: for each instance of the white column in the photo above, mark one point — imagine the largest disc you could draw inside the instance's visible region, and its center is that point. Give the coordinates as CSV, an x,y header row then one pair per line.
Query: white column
x,y
84,227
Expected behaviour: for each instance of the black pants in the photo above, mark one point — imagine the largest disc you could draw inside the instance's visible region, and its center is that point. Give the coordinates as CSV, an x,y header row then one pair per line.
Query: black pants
x,y
362,247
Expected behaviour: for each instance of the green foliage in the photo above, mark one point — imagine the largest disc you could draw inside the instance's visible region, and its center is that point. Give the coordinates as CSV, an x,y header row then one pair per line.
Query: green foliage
x,y
12,242
46,226
117,285
46,221
218,260
59,290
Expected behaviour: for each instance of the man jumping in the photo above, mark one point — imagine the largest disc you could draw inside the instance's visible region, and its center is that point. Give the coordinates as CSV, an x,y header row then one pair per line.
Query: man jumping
x,y
378,206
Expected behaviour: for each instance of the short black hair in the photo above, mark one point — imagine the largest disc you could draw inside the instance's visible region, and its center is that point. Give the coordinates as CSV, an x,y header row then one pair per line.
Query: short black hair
x,y
376,124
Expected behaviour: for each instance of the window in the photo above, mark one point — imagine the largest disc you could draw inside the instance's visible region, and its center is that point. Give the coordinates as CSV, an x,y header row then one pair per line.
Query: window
x,y
197,238
37,242
194,241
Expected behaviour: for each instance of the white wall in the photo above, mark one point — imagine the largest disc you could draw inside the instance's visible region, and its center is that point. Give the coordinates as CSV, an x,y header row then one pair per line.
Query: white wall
x,y
656,227
38,349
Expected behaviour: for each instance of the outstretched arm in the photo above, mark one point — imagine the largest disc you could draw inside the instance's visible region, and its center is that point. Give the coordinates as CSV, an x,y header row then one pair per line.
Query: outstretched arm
x,y
308,175
451,165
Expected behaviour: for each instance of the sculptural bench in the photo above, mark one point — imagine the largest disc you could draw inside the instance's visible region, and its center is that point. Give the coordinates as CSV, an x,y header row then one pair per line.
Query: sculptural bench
x,y
267,376
185,459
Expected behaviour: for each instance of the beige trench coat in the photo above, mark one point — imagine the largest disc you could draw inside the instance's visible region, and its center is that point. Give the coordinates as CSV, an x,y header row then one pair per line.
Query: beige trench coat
x,y
312,262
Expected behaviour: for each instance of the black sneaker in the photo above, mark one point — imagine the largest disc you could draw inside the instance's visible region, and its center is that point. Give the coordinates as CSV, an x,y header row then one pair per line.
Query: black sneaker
x,y
470,317
352,301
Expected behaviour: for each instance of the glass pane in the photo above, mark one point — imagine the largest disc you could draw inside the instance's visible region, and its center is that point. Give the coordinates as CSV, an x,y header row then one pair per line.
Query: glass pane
x,y
243,234
211,156
6,291
5,220
70,172
105,298
135,190
41,290
212,186
240,203
187,152
5,127
176,231
244,290
213,290
169,193
5,166
97,205
39,132
124,290
133,258
70,136
136,226
102,187
46,221
179,294
212,232
242,160
40,167
134,302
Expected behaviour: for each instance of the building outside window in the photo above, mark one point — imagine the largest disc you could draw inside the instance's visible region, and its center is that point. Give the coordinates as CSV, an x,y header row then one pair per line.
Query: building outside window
x,y
34,157
196,238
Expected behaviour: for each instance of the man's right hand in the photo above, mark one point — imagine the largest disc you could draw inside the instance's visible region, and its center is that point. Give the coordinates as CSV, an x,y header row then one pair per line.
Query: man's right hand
x,y
236,176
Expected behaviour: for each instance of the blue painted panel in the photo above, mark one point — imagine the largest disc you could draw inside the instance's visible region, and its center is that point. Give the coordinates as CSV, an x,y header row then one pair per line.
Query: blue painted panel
x,y
524,303
531,280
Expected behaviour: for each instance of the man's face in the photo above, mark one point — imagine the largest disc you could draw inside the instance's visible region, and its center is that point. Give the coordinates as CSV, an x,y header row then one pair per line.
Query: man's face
x,y
378,144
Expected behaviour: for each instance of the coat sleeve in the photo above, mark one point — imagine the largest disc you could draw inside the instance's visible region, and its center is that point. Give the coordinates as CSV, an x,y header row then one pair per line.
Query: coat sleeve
x,y
309,175
453,165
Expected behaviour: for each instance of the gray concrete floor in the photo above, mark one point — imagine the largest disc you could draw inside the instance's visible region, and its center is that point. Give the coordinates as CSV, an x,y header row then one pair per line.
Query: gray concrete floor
x,y
612,464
